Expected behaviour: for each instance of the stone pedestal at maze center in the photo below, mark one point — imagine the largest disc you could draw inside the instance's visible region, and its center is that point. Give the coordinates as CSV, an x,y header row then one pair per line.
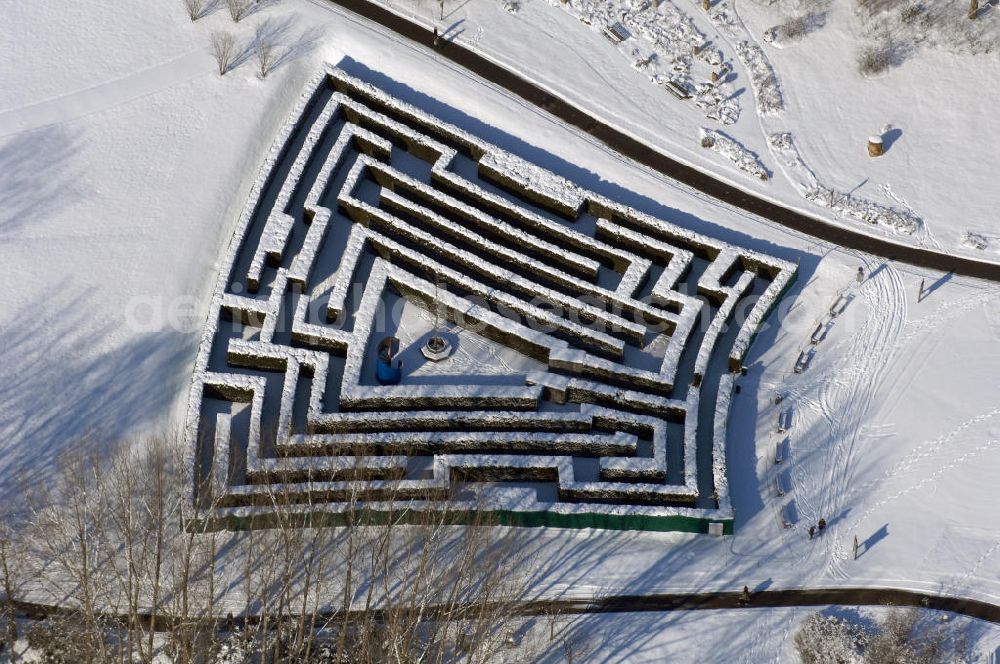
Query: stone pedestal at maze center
x,y
436,348
601,437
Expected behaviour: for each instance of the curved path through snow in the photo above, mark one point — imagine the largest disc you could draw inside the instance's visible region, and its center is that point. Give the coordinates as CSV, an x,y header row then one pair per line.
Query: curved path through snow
x,y
636,604
643,154
102,96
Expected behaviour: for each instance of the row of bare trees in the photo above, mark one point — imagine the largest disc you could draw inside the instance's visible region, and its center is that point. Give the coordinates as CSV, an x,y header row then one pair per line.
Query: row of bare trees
x,y
228,54
238,9
138,574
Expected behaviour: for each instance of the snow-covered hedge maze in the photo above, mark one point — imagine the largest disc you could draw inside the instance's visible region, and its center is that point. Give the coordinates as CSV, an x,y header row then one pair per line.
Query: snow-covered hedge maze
x,y
588,337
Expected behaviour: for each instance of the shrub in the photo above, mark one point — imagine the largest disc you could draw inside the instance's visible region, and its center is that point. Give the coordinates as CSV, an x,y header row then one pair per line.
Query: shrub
x,y
62,641
911,13
826,639
195,8
793,28
239,9
900,636
872,7
874,59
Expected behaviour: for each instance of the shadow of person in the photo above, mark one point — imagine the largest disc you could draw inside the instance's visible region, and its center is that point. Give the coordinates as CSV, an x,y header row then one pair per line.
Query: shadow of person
x,y
924,292
873,539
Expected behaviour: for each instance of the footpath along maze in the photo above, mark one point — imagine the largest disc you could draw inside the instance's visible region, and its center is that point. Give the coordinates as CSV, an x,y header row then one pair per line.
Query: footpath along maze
x,y
630,328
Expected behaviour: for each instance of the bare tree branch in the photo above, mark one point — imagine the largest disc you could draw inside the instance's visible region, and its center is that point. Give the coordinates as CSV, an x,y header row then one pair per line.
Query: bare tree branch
x,y
195,8
265,49
224,50
239,9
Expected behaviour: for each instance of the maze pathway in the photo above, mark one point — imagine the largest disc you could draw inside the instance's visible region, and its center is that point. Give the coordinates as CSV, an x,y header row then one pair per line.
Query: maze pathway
x,y
628,331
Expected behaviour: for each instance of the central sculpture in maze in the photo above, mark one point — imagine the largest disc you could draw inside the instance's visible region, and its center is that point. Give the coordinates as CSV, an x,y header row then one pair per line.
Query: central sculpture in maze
x,y
593,347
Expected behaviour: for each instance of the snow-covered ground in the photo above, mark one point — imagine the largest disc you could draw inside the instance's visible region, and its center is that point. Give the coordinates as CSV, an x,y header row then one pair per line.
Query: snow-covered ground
x,y
931,110
125,159
746,636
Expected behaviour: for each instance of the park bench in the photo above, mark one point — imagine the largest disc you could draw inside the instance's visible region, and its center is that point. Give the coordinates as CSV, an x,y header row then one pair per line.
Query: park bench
x,y
677,90
785,420
617,33
788,515
803,360
819,334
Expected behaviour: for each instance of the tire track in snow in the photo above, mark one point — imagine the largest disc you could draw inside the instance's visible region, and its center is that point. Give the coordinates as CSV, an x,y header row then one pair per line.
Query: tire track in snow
x,y
841,551
946,312
770,632
924,450
840,548
960,583
756,650
846,403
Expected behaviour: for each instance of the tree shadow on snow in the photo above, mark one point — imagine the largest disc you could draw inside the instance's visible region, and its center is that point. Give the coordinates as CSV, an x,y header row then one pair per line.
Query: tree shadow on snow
x,y
38,177
279,33
57,394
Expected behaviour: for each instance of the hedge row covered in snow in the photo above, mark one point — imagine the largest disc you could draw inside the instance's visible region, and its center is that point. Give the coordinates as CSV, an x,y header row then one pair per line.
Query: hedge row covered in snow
x,y
556,292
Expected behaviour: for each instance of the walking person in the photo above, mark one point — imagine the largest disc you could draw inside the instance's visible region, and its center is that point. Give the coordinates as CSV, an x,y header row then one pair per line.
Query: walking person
x,y
822,526
812,531
745,596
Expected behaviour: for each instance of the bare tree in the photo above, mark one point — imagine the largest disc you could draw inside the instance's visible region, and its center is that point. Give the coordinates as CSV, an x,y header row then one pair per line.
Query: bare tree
x,y
14,570
224,50
69,525
265,49
195,8
239,9
375,577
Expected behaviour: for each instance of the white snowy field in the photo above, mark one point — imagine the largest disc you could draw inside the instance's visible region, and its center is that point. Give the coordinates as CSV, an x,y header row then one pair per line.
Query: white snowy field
x,y
124,162
932,110
746,636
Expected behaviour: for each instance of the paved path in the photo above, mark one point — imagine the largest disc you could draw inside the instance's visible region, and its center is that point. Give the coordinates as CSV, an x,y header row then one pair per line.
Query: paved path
x,y
647,156
768,598
641,603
